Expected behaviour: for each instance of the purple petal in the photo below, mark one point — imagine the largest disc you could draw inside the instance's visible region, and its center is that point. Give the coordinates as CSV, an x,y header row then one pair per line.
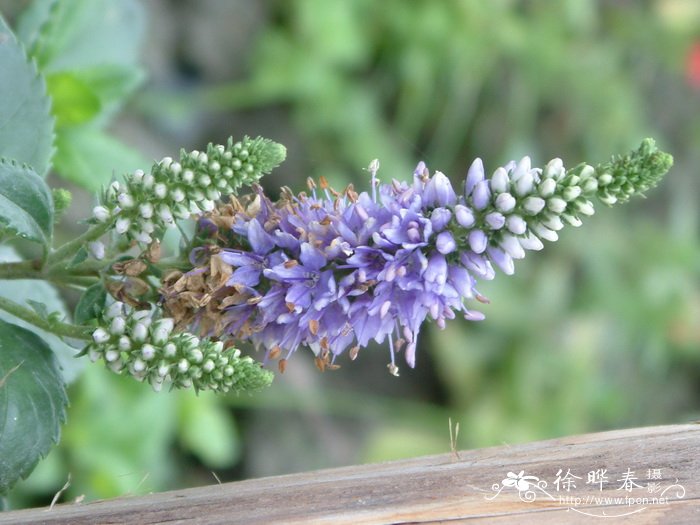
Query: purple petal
x,y
440,218
438,191
502,260
312,257
259,239
481,195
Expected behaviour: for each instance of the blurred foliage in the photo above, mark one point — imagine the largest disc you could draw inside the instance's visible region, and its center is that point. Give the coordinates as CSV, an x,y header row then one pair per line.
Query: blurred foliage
x,y
598,331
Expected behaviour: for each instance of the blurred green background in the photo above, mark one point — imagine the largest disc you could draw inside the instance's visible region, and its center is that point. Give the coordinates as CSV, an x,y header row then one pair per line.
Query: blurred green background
x,y
600,330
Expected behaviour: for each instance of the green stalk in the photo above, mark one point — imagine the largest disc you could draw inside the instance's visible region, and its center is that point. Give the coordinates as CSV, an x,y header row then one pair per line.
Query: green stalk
x,y
70,248
58,328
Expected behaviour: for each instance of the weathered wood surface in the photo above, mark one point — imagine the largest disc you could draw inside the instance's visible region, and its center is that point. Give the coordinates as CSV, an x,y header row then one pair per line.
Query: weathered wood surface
x,y
441,489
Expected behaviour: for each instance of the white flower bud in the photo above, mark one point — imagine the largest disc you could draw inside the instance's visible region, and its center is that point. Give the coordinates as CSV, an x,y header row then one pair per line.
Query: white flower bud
x,y
214,166
587,172
147,226
148,352
181,212
590,185
111,356
163,370
571,193
124,343
160,190
605,179
531,242
114,309
505,202
177,195
547,187
524,184
203,158
97,250
554,170
156,384
138,365
228,172
162,329
115,187
165,214
169,350
148,181
545,233
122,225
533,205
100,336
166,162
196,355
117,326
572,220
204,181
146,210
556,205
499,181
125,200
139,332
175,168
138,176
213,194
143,237
521,169
512,247
553,222
94,355
208,365
516,224
101,213
207,205
116,366
188,176
183,366
584,207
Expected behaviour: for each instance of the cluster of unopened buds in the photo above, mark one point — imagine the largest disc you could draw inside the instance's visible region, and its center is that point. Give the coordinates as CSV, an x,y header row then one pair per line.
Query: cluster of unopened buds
x,y
131,340
145,204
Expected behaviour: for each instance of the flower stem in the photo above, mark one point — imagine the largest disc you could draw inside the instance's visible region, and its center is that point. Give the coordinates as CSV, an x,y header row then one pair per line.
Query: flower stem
x,y
58,328
70,248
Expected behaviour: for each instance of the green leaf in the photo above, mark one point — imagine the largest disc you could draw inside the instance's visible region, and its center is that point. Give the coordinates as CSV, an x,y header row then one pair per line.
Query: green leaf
x,y
90,158
91,302
32,402
208,430
26,205
112,84
25,290
26,124
74,101
85,33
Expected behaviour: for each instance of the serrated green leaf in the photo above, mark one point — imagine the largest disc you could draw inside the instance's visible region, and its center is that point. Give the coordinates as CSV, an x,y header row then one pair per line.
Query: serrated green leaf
x,y
32,402
91,302
91,158
26,205
23,290
26,124
74,101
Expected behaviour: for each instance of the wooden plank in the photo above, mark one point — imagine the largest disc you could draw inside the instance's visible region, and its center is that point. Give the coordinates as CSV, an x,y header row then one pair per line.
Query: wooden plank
x,y
443,489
